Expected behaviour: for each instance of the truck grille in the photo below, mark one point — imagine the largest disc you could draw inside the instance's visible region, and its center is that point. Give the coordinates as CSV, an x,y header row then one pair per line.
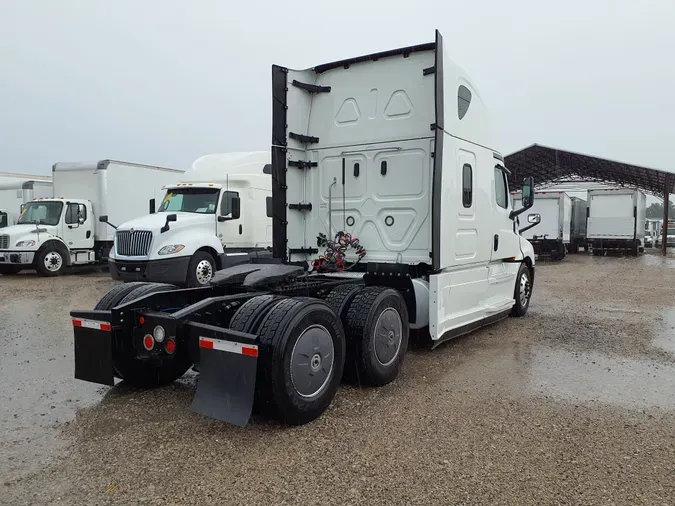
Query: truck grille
x,y
133,244
4,241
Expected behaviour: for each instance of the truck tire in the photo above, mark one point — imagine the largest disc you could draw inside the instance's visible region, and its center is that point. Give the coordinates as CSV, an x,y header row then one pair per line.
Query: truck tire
x,y
51,259
300,362
201,269
340,297
114,296
251,314
522,292
377,335
127,366
7,270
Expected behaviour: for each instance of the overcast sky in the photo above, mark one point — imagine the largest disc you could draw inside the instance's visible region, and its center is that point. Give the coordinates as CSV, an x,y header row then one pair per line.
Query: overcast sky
x,y
164,82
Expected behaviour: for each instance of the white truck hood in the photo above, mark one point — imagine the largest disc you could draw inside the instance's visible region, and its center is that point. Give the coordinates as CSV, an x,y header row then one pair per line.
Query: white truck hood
x,y
181,231
27,232
155,222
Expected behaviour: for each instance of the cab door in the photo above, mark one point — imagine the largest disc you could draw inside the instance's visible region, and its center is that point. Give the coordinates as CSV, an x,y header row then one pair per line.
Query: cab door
x,y
78,230
229,225
504,246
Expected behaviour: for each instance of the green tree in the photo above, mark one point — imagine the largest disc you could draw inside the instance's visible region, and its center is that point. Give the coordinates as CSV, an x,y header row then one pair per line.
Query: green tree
x,y
655,211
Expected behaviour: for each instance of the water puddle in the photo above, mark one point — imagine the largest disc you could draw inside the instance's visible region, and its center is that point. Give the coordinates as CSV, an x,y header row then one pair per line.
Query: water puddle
x,y
38,389
595,378
654,258
665,338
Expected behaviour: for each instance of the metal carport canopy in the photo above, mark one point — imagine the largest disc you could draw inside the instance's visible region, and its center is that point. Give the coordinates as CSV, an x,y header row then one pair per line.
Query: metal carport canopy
x,y
549,166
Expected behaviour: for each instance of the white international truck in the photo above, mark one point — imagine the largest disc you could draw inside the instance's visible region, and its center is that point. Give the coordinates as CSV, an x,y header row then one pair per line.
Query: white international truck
x,y
214,218
55,233
394,148
616,221
14,194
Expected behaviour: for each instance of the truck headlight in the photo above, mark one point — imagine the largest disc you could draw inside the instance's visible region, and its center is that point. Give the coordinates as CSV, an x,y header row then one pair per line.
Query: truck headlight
x,y
171,249
25,244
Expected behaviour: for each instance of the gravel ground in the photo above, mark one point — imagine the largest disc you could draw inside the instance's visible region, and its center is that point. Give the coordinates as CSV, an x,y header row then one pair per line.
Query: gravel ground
x,y
574,404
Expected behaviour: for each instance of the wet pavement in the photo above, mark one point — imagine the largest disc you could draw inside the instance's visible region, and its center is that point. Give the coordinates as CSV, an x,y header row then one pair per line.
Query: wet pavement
x,y
573,404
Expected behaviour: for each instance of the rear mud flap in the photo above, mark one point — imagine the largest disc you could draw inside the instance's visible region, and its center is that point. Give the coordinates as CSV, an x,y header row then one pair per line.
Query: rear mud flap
x,y
93,353
226,385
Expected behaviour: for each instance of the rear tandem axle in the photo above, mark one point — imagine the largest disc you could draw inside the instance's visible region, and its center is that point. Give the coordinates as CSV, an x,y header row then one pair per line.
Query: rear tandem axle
x,y
267,337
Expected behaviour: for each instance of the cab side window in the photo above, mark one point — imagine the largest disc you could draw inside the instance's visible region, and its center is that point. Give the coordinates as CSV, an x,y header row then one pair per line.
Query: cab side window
x,y
226,203
74,212
501,188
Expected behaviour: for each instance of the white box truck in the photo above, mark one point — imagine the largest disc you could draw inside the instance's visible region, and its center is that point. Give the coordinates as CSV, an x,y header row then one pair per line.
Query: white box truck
x,y
578,238
55,233
352,155
552,235
15,193
215,217
616,221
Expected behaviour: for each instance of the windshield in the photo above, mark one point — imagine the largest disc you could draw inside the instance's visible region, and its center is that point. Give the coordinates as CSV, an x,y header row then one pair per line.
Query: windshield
x,y
47,213
190,200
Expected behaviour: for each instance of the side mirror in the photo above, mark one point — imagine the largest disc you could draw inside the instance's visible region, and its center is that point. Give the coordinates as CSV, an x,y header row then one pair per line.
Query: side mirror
x,y
152,206
528,197
534,218
236,208
270,209
104,219
169,217
528,192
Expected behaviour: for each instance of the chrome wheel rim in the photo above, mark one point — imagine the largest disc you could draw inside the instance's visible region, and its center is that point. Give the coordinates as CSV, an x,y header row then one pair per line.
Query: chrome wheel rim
x,y
53,261
312,361
524,290
204,272
388,334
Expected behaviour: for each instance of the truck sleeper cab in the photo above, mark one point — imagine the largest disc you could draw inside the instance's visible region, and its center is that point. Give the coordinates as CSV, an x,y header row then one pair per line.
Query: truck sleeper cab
x,y
438,250
212,220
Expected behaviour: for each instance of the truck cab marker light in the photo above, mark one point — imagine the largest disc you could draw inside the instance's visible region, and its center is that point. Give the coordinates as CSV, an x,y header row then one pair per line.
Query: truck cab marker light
x,y
148,342
92,324
229,346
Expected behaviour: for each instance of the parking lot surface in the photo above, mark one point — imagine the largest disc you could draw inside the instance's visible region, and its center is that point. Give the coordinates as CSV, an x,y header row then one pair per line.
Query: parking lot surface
x,y
573,404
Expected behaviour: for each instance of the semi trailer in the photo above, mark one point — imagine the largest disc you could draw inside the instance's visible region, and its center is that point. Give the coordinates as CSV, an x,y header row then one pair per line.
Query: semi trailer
x,y
215,217
552,236
381,224
616,221
53,234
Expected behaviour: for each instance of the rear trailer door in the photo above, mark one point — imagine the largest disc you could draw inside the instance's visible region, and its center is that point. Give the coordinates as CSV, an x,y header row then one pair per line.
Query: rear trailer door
x,y
611,216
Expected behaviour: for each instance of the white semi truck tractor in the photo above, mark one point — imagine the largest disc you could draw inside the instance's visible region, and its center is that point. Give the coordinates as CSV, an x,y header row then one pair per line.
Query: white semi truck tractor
x,y
391,212
214,218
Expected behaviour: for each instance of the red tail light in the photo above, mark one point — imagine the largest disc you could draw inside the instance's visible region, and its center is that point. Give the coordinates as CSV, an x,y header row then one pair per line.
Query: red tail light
x,y
170,346
148,342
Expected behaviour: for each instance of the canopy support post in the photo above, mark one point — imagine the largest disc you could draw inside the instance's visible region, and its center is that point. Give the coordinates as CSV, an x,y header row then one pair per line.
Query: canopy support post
x,y
666,205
